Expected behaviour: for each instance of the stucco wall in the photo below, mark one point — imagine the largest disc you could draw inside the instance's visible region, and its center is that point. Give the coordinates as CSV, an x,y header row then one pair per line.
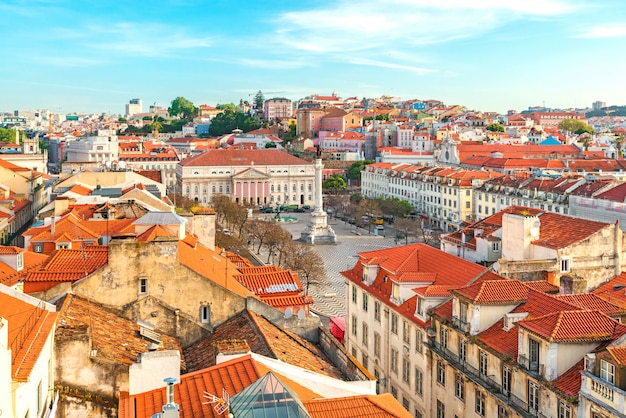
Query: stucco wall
x,y
171,286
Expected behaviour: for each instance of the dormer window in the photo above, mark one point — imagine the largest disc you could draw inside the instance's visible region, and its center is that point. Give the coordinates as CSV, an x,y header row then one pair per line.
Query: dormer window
x,y
420,306
607,371
395,291
38,248
20,261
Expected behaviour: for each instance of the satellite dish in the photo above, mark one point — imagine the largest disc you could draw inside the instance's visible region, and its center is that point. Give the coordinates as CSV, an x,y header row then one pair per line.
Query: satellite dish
x,y
288,313
534,229
495,266
301,314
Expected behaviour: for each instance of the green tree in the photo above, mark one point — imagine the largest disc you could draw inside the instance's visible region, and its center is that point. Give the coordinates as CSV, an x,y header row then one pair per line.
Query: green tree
x,y
575,126
495,127
354,172
334,183
259,100
122,120
8,135
183,108
226,106
228,120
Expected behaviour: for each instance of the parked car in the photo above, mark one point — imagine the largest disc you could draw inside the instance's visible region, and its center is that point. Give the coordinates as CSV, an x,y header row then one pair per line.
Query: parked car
x,y
380,227
307,207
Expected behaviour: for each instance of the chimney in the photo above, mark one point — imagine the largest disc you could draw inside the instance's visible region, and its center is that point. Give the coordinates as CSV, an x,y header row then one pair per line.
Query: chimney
x,y
52,225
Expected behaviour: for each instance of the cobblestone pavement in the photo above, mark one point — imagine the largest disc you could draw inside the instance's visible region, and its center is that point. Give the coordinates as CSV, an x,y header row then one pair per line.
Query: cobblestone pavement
x,y
330,298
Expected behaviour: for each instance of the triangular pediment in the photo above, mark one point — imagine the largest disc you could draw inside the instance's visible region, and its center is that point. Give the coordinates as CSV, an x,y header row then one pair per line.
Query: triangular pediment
x,y
251,173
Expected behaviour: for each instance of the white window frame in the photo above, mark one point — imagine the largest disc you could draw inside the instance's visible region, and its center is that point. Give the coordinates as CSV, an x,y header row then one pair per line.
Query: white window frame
x,y
566,265
143,285
607,371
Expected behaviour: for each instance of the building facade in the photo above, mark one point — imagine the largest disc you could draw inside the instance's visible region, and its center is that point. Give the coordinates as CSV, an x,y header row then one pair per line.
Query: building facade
x,y
256,177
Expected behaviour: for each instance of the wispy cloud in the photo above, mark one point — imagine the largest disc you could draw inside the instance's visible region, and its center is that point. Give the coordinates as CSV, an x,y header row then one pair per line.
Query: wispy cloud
x,y
373,24
270,64
608,30
385,64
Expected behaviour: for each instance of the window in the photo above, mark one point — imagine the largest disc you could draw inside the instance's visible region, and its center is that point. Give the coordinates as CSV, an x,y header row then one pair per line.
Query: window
x,y
482,363
533,354
480,403
564,410
443,337
462,349
533,396
459,386
565,265
406,370
419,382
394,323
502,412
143,286
467,205
394,360
506,380
495,246
395,291
607,371
20,261
364,362
441,372
38,248
420,306
406,329
353,325
365,336
406,403
353,294
204,313
394,391
441,409
418,341
376,344
377,311
365,301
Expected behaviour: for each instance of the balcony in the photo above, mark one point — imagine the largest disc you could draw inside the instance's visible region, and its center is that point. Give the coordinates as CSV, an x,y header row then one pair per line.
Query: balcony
x,y
531,366
603,393
487,382
460,324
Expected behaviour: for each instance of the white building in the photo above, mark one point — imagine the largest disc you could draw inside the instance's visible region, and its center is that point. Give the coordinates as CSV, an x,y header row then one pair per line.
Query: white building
x,y
92,151
259,177
134,107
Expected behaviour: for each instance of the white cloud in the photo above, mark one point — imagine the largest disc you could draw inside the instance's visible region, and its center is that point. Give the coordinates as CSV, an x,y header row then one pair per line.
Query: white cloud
x,y
273,64
385,64
609,30
346,27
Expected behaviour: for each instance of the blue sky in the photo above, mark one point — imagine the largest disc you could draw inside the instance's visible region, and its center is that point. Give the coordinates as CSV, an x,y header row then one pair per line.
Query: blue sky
x,y
490,55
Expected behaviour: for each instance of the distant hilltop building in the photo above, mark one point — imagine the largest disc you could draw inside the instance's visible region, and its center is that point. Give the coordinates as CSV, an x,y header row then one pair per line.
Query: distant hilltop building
x,y
133,107
598,105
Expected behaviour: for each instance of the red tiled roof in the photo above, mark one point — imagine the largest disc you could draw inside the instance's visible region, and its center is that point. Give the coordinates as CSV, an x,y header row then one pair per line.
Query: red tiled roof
x,y
67,265
618,353
613,291
593,302
271,283
573,326
264,338
81,190
236,157
80,315
32,261
30,328
569,382
487,292
371,406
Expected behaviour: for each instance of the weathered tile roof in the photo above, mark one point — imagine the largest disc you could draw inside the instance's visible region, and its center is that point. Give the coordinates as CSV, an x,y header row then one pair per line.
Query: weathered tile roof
x,y
618,353
115,339
271,283
247,157
593,302
264,338
29,329
573,326
67,265
613,291
569,382
374,406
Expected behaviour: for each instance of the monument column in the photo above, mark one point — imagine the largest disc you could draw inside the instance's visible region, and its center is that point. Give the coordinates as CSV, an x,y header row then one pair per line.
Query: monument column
x,y
318,231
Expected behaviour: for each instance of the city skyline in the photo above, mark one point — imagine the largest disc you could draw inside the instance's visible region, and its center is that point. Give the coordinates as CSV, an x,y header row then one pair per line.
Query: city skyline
x,y
487,55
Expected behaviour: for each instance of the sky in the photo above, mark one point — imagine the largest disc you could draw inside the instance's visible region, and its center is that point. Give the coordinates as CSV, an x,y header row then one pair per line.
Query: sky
x,y
487,55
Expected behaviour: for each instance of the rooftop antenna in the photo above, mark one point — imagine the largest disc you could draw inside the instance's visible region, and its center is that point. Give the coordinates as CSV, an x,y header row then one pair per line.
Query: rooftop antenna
x,y
221,404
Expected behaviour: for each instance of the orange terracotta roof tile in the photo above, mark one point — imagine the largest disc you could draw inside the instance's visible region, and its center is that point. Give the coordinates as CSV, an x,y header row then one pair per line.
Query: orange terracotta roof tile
x,y
81,190
233,376
569,382
613,291
264,338
494,292
573,326
271,283
593,302
32,261
29,329
83,316
374,406
236,157
618,353
213,266
542,286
